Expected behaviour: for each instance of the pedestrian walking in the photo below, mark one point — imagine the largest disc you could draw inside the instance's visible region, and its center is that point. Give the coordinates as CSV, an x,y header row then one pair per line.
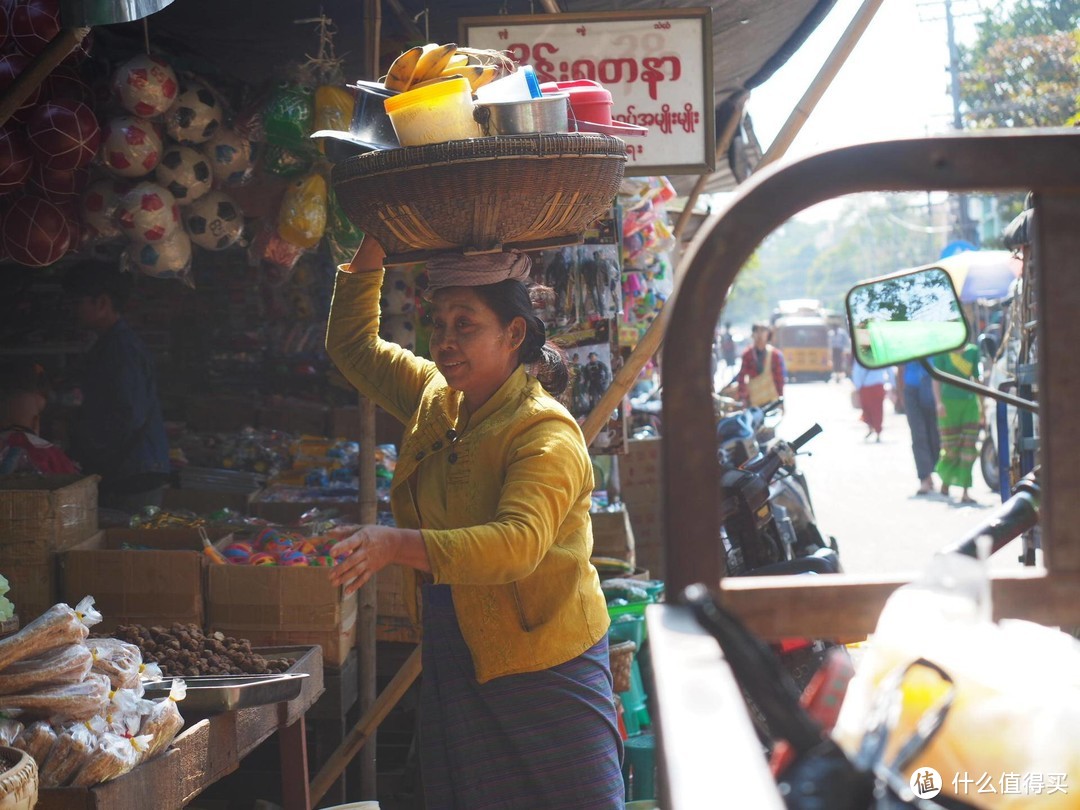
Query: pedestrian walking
x,y
959,420
921,409
870,384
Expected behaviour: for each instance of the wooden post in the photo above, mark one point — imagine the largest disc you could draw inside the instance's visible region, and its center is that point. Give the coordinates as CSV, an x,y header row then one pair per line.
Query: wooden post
x,y
42,65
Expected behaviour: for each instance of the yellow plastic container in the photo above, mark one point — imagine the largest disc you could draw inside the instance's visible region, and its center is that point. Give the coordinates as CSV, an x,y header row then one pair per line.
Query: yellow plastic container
x,y
439,112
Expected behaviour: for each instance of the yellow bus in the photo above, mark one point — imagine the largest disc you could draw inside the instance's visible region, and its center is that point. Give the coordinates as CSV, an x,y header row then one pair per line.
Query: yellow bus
x,y
804,340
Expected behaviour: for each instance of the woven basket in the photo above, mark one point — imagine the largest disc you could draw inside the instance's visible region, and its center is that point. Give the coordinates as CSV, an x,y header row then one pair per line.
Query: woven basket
x,y
621,656
482,194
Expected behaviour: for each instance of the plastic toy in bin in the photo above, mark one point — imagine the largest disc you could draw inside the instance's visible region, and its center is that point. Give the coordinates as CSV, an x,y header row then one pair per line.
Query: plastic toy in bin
x,y
274,547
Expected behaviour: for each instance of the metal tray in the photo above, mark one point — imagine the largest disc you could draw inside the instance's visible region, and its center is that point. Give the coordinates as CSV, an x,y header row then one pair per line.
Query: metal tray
x,y
226,693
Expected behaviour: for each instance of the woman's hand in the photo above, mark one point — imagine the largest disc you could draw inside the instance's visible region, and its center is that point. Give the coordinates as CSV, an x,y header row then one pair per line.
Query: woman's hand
x,y
369,256
370,549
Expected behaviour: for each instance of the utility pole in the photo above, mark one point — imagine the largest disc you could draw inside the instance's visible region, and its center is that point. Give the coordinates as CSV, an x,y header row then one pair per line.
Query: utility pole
x,y
963,227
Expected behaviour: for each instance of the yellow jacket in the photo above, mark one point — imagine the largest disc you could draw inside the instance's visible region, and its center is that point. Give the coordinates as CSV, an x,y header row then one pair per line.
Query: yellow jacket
x,y
502,501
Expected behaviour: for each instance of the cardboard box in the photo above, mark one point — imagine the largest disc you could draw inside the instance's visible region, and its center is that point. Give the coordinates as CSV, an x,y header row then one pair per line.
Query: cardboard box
x,y
613,535
41,516
206,501
161,583
641,477
393,586
280,605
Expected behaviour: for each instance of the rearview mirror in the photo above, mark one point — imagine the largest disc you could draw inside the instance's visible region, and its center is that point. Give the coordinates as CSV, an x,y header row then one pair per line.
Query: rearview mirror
x,y
906,316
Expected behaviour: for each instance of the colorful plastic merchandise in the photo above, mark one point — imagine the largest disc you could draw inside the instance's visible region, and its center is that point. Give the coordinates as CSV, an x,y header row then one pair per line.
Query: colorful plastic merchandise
x,y
278,547
647,242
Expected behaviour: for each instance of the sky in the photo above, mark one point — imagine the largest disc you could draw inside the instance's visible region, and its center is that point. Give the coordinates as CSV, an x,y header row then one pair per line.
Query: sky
x,y
893,85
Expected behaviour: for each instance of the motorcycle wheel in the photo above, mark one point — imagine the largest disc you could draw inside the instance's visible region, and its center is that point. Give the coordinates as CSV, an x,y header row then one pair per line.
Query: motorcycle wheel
x,y
988,464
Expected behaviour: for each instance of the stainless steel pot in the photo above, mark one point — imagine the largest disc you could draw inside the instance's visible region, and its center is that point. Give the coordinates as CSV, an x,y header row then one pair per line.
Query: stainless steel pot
x,y
544,114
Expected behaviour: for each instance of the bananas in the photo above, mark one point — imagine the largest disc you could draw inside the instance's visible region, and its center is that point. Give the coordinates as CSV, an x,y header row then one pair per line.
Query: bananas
x,y
424,65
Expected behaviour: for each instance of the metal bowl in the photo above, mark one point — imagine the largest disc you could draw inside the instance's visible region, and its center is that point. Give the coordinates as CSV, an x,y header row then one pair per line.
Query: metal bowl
x,y
544,114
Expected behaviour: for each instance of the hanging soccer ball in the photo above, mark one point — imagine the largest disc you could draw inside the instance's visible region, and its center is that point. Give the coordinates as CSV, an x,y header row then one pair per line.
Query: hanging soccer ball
x,y
11,65
35,232
397,294
148,213
16,159
34,23
195,115
185,173
130,147
229,154
165,259
64,134
99,204
58,185
214,221
145,85
399,329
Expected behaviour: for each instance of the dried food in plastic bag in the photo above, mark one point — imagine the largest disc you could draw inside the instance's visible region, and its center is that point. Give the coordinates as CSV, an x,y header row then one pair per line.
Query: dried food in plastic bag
x,y
9,731
68,664
70,753
302,215
57,626
118,660
126,711
113,757
37,739
60,704
149,671
164,722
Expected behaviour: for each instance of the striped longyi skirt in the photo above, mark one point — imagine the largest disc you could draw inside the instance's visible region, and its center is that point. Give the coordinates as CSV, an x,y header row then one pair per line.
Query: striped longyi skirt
x,y
545,739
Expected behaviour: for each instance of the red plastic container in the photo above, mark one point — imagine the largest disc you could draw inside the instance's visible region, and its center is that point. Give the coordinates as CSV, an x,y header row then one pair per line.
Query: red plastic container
x,y
589,101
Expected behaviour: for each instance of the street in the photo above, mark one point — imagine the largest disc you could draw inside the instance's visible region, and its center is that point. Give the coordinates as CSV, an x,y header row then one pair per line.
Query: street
x,y
864,492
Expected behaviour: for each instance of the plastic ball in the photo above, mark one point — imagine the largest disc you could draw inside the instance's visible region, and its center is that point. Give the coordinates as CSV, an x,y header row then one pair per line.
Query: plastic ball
x,y
65,82
34,23
229,154
35,232
5,23
64,134
146,85
185,173
238,552
195,115
148,213
11,65
399,329
16,159
398,295
58,185
262,558
99,204
130,147
168,258
214,221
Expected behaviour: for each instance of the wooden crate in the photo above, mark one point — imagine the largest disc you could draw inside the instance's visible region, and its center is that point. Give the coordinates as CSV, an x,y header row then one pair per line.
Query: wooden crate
x,y
39,517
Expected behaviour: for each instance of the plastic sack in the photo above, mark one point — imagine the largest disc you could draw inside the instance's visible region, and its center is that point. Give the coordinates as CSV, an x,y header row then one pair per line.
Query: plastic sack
x,y
302,216
285,162
1016,706
9,731
68,664
289,116
117,660
60,704
37,739
68,756
58,626
333,109
164,722
113,757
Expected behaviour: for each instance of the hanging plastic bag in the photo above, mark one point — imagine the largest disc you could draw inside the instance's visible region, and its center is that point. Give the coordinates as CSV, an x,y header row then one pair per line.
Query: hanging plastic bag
x,y
302,216
289,117
164,722
333,108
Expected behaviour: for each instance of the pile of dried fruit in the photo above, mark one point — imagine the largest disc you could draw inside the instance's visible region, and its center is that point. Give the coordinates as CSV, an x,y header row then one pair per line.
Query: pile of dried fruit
x,y
184,650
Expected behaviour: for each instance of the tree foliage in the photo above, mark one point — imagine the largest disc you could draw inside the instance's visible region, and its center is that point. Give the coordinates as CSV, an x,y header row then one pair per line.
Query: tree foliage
x,y
1024,68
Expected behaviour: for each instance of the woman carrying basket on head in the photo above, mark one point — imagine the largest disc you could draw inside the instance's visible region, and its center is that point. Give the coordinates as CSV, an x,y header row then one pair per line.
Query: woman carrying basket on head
x,y
491,498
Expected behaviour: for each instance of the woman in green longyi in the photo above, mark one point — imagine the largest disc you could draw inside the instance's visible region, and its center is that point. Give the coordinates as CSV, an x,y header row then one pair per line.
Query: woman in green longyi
x,y
959,420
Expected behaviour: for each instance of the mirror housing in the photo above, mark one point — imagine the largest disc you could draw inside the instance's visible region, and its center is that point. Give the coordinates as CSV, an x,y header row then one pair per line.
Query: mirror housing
x,y
905,316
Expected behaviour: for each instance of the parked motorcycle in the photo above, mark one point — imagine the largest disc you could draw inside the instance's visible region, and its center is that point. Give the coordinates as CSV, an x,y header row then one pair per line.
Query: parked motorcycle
x,y
768,525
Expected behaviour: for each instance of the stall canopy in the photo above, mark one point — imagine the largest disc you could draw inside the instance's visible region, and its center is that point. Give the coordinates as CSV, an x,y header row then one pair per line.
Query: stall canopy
x,y
248,39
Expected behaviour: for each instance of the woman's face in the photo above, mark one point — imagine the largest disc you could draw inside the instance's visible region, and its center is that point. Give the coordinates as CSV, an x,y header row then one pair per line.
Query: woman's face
x,y
473,351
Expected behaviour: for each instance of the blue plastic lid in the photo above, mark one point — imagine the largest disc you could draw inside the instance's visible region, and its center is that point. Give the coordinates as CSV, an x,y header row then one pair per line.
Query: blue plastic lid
x,y
531,81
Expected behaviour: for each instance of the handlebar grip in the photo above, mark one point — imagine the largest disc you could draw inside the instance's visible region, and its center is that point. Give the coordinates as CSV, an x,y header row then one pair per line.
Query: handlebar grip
x,y
1013,518
804,438
769,407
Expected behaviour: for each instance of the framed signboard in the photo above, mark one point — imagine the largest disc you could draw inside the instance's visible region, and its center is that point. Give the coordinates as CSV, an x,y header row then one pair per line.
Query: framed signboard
x,y
656,64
